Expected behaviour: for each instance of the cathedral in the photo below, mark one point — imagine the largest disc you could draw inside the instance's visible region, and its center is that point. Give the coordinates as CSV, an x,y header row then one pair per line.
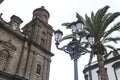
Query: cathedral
x,y
25,54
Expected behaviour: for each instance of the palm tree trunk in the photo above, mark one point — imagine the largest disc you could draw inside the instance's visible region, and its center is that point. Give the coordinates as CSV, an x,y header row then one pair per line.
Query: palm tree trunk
x,y
98,49
102,71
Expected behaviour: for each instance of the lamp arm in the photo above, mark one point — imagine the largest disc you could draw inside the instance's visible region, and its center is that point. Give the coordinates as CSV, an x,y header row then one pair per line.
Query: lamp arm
x,y
83,50
66,49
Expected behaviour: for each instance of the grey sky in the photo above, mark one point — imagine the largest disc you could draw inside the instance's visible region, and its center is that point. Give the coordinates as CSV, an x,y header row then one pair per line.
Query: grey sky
x,y
60,11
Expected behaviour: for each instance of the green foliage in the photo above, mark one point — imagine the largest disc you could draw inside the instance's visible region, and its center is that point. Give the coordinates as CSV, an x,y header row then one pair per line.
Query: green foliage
x,y
116,27
111,39
80,18
67,25
97,25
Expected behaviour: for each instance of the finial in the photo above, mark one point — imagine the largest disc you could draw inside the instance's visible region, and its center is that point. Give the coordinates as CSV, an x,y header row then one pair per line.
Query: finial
x,y
42,7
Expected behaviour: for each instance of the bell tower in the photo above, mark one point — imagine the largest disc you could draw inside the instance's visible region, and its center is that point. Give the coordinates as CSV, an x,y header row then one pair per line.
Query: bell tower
x,y
39,34
38,29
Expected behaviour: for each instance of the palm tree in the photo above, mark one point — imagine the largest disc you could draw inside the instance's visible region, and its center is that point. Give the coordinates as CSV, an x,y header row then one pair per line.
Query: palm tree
x,y
98,26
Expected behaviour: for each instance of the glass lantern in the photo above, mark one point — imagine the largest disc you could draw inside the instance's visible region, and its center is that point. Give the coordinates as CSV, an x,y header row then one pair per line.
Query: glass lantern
x,y
90,39
58,35
79,26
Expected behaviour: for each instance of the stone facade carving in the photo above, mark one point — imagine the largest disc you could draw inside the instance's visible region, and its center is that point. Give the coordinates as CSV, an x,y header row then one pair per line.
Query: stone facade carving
x,y
26,55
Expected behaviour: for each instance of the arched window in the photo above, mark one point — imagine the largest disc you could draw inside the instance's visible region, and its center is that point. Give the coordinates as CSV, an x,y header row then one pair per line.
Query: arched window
x,y
4,55
116,67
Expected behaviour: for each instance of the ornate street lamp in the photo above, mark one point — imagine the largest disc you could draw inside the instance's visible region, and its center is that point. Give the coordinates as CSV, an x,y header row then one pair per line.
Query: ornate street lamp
x,y
73,48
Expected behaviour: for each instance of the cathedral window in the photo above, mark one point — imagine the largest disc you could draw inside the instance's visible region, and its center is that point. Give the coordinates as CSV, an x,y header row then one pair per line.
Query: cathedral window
x,y
116,67
38,69
42,42
38,72
4,55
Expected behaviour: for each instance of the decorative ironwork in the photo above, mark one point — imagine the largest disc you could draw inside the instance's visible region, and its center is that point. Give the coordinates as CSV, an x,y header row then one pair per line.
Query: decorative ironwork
x,y
73,48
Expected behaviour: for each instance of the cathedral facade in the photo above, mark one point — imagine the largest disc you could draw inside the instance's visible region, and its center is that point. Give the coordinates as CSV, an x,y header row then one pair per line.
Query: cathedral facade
x,y
25,54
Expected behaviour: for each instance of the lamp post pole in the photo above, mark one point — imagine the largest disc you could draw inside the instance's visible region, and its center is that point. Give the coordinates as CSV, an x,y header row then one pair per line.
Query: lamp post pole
x,y
75,69
73,48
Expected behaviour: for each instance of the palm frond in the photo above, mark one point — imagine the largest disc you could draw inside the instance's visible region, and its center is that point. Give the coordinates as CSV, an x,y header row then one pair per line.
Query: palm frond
x,y
89,26
99,16
106,16
114,28
105,50
100,13
70,36
103,22
92,17
80,18
110,47
67,25
105,56
111,39
113,49
115,53
109,20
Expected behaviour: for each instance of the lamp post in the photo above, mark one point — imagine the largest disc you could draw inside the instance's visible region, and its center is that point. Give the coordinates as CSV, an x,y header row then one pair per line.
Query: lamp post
x,y
73,48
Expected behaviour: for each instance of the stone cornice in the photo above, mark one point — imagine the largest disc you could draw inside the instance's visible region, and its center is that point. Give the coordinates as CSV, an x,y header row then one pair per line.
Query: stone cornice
x,y
106,62
21,36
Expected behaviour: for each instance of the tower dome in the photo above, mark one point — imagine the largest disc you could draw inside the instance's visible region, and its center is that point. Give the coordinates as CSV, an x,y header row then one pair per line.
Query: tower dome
x,y
41,13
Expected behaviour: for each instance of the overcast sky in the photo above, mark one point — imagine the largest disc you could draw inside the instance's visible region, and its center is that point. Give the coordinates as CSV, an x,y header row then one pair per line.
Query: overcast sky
x,y
60,11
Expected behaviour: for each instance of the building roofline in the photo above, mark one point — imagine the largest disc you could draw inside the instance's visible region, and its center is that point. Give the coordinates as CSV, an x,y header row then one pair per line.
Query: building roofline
x,y
22,37
107,61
